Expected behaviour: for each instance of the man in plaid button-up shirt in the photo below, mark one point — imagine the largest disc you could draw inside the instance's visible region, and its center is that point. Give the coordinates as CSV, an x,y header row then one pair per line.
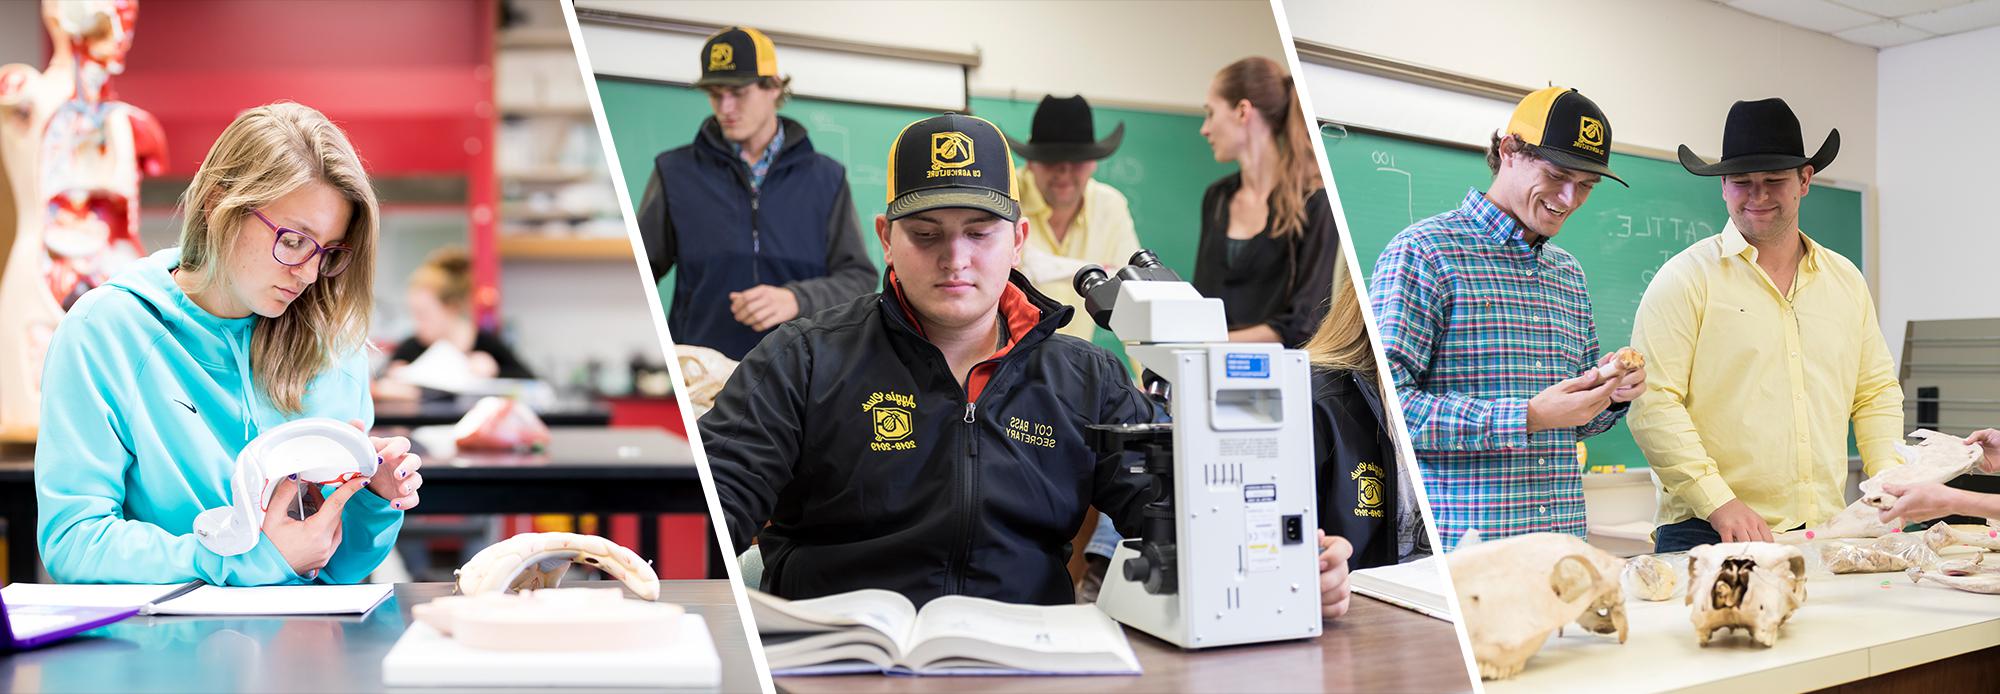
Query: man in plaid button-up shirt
x,y
1489,335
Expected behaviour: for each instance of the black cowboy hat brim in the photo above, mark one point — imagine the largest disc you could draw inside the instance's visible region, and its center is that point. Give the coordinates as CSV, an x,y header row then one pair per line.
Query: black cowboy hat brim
x,y
1069,151
1755,163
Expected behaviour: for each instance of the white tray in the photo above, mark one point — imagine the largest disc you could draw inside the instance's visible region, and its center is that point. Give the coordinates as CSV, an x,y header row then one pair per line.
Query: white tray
x,y
426,658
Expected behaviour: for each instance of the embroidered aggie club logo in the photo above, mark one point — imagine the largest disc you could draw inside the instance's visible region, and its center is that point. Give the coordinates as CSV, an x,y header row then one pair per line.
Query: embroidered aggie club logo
x,y
1367,478
1590,135
890,413
721,56
951,153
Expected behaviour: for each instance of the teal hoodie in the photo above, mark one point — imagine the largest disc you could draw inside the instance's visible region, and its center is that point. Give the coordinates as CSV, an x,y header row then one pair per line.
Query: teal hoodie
x,y
146,400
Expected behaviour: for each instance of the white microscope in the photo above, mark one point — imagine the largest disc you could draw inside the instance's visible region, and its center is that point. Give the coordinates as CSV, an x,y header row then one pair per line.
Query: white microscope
x,y
1228,554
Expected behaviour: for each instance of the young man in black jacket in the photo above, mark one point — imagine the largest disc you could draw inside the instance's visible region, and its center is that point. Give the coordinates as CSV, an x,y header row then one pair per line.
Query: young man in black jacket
x,y
762,227
930,439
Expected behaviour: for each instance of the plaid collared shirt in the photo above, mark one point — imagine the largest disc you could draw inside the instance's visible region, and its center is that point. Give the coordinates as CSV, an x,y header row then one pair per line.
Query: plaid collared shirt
x,y
1475,322
763,165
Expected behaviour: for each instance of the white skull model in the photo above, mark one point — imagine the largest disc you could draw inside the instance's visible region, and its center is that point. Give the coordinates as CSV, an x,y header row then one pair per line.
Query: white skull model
x,y
1753,586
1516,591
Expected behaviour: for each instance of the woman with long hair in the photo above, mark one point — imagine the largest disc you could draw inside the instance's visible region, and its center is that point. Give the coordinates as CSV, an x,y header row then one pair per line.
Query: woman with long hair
x,y
156,380
1267,233
1365,495
440,304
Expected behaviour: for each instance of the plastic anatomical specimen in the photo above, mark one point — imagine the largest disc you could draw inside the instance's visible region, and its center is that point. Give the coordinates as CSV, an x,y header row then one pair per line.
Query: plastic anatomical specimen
x,y
500,424
315,450
72,156
538,560
1649,578
563,619
1753,586
1516,591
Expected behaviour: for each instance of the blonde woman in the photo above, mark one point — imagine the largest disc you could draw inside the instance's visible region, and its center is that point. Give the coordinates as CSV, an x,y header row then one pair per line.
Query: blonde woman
x,y
1363,492
1267,234
157,379
440,304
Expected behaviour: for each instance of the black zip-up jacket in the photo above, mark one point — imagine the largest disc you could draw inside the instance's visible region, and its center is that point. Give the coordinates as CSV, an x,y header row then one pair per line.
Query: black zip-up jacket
x,y
798,231
1358,479
849,434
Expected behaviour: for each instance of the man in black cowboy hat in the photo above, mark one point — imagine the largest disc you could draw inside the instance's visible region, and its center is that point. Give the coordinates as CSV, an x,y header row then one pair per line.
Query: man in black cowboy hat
x,y
1762,345
1074,220
761,226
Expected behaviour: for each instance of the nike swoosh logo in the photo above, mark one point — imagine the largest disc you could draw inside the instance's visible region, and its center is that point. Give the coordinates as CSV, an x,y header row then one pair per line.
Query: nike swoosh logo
x,y
191,409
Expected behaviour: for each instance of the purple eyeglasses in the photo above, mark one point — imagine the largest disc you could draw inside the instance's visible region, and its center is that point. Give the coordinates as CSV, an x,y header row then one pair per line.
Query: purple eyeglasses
x,y
294,248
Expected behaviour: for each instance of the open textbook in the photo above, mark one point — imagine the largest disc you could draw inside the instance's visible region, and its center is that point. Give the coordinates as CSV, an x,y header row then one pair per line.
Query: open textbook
x,y
1418,585
881,631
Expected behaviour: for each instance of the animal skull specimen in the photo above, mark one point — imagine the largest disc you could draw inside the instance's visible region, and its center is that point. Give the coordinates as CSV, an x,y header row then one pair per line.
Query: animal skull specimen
x,y
706,371
1650,578
1753,586
1514,592
563,619
538,560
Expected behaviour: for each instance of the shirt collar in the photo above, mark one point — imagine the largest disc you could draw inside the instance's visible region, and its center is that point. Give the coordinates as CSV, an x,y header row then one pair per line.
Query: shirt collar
x,y
1497,225
770,150
1034,205
1733,244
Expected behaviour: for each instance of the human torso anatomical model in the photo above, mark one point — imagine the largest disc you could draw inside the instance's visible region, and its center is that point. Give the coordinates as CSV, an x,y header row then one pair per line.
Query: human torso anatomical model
x,y
73,157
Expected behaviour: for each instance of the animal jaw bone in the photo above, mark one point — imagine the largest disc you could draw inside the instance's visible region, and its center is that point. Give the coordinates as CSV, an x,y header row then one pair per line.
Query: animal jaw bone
x,y
1753,586
1514,592
538,560
1937,459
1649,578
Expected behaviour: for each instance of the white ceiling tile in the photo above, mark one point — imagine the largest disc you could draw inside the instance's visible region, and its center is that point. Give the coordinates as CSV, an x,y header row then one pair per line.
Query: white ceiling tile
x,y
1883,35
1897,8
1958,18
1817,15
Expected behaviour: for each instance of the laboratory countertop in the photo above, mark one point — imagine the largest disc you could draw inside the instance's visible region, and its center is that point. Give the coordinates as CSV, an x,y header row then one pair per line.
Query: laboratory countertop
x,y
1375,647
1850,628
300,654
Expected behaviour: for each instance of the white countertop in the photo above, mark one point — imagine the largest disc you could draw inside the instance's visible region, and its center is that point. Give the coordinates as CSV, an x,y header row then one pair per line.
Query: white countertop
x,y
1851,627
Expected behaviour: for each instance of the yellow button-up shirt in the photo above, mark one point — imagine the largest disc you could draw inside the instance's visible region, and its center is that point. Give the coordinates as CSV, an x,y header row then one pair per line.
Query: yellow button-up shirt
x,y
1749,391
1101,234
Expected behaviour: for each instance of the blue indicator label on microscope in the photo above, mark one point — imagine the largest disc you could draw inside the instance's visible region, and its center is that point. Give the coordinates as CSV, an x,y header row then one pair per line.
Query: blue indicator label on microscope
x,y
1250,365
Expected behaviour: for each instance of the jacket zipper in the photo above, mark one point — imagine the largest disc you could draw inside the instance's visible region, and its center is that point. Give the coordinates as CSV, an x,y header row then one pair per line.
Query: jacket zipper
x,y
756,242
967,488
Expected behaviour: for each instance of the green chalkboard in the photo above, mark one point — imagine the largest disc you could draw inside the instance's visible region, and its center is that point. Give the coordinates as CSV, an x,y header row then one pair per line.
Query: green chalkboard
x,y
1621,236
1162,167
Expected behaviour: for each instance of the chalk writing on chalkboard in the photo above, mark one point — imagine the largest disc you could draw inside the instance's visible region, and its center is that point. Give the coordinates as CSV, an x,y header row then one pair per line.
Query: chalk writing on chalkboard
x,y
1385,162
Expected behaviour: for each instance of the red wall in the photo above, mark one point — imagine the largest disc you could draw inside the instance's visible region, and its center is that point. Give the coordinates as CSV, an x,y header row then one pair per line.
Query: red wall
x,y
411,82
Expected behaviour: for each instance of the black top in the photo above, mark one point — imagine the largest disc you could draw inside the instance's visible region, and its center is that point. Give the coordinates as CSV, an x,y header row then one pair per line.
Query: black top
x,y
1284,283
1357,466
851,436
490,343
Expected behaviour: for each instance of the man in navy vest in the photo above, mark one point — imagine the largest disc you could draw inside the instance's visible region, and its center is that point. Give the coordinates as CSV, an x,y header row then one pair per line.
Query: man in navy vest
x,y
761,227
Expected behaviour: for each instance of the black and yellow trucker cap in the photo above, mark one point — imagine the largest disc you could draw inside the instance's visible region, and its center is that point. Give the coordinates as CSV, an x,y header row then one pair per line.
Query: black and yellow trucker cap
x,y
1567,129
737,56
952,161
